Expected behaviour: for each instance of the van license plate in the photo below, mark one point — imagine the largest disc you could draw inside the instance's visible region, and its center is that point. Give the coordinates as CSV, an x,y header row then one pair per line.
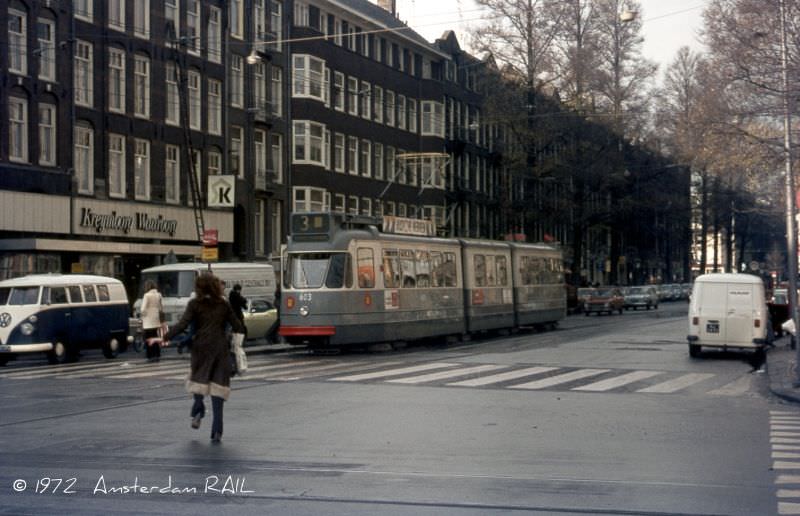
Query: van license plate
x,y
712,327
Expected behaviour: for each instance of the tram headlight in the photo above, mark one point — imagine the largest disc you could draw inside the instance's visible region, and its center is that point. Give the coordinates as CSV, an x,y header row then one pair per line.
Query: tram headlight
x,y
304,311
26,328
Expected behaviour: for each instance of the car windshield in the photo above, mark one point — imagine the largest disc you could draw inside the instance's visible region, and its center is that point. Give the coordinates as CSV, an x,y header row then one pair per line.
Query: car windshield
x,y
23,296
637,290
170,283
585,291
606,292
313,270
780,297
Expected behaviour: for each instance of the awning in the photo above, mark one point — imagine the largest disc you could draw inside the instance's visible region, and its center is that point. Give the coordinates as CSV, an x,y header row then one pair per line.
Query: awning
x,y
88,246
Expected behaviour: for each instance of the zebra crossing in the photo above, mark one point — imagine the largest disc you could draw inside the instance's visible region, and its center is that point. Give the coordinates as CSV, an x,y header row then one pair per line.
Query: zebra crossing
x,y
785,442
451,374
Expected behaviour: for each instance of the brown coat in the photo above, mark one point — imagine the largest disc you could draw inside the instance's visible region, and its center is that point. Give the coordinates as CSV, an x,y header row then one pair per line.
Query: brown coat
x,y
211,365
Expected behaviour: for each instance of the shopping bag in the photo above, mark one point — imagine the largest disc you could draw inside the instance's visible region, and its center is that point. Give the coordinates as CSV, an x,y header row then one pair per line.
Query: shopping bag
x,y
240,357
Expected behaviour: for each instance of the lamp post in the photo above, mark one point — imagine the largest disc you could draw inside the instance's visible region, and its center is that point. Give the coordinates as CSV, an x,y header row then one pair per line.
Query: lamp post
x,y
791,227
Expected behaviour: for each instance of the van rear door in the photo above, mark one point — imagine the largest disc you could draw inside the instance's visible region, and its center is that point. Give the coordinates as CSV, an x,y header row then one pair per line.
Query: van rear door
x,y
739,313
712,307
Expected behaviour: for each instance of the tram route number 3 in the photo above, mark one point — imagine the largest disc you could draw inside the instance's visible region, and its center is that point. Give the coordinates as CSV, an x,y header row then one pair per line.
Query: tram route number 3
x,y
305,297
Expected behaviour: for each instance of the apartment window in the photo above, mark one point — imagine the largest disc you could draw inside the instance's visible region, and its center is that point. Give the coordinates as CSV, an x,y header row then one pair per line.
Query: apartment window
x,y
193,25
83,9
116,165
308,143
366,100
276,156
338,152
116,80
390,164
390,108
352,95
196,164
338,91
237,82
141,86
172,174
46,34
275,15
195,109
308,80
352,205
172,12
259,222
173,107
352,155
432,119
47,135
365,45
83,160
365,159
214,163
338,32
401,112
260,18
310,199
260,149
236,18
326,147
326,85
401,210
141,18
366,206
214,106
18,129
236,152
83,73
412,115
260,86
275,228
378,160
276,92
389,208
378,104
301,18
116,14
214,35
338,203
141,169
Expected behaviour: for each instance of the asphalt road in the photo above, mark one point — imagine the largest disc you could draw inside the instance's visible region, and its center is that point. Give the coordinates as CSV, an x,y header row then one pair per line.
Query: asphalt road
x,y
606,415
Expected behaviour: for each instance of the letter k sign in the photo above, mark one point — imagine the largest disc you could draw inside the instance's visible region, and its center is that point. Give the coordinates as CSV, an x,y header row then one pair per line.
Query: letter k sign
x,y
221,191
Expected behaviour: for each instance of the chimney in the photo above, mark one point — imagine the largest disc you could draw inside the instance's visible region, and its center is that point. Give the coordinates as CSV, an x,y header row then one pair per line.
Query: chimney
x,y
388,5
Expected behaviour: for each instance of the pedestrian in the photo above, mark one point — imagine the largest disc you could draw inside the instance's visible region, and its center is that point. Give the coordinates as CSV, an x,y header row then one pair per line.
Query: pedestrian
x,y
238,302
152,312
210,373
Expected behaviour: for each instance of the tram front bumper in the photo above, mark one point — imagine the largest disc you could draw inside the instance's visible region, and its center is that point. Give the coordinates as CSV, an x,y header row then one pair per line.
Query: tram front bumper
x,y
307,331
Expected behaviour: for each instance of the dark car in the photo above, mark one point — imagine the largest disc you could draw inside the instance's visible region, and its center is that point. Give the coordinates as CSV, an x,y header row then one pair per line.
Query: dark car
x,y
605,300
779,310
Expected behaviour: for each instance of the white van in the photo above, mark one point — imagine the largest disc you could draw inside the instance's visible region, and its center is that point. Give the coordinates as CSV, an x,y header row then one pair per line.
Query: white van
x,y
176,283
60,314
728,311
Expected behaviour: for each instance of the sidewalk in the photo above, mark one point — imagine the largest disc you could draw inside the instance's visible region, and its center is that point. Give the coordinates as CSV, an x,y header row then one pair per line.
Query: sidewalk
x,y
781,367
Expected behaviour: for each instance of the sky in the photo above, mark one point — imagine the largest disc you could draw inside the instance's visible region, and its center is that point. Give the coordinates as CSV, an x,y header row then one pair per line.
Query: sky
x,y
667,25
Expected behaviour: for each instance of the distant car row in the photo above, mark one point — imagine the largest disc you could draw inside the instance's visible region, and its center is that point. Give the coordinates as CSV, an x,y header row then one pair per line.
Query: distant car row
x,y
616,299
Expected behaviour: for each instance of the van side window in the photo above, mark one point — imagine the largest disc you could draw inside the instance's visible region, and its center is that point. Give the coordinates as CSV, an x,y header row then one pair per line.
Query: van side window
x,y
102,292
75,294
58,295
24,296
88,293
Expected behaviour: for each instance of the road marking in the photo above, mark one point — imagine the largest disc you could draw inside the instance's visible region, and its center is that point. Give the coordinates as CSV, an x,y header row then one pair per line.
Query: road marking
x,y
619,381
785,455
788,447
788,493
781,413
451,373
55,371
677,384
784,464
784,434
736,388
788,508
392,372
784,427
502,377
788,479
558,379
783,440
305,372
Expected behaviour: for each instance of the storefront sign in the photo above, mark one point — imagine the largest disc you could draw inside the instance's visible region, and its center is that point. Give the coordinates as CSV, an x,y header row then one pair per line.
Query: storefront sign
x,y
139,221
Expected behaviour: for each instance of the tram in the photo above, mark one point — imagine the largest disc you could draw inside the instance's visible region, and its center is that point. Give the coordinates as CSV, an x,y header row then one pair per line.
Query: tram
x,y
358,281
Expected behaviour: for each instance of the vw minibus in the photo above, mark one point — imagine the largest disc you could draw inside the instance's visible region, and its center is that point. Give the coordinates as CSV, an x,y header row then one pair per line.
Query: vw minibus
x,y
61,314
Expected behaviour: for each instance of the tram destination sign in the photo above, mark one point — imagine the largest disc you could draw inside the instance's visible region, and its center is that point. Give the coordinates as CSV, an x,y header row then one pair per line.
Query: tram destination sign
x,y
405,226
311,226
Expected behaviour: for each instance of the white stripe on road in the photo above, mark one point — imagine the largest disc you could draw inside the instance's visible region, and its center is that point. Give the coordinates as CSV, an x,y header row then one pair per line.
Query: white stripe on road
x,y
788,493
502,377
784,427
786,447
785,455
788,479
788,508
736,388
783,440
452,373
55,371
785,464
618,381
392,372
559,379
781,413
304,372
784,434
677,384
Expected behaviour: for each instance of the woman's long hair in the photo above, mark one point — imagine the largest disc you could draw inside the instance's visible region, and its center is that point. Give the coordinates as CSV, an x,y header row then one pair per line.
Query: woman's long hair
x,y
208,286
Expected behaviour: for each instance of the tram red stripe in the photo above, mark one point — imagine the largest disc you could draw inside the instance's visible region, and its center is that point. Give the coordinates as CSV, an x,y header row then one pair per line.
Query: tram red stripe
x,y
306,331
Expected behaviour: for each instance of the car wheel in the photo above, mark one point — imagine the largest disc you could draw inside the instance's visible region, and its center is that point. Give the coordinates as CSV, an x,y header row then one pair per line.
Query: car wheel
x,y
694,350
61,353
111,348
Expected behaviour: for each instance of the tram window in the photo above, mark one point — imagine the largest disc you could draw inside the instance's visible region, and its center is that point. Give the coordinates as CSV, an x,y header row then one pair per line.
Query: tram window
x,y
24,296
391,269
437,269
491,278
339,273
502,271
366,268
102,292
423,263
480,270
407,268
75,294
308,270
450,270
88,293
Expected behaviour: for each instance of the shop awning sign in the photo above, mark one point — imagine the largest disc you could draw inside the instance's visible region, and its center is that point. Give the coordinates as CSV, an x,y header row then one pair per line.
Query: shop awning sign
x,y
221,190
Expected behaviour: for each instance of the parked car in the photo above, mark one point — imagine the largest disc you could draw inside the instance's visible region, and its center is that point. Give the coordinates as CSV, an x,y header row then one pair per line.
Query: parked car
x,y
644,296
778,306
261,320
583,296
605,300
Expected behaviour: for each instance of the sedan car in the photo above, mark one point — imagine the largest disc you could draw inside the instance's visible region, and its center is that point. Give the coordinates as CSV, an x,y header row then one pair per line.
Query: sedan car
x,y
605,300
261,320
644,297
